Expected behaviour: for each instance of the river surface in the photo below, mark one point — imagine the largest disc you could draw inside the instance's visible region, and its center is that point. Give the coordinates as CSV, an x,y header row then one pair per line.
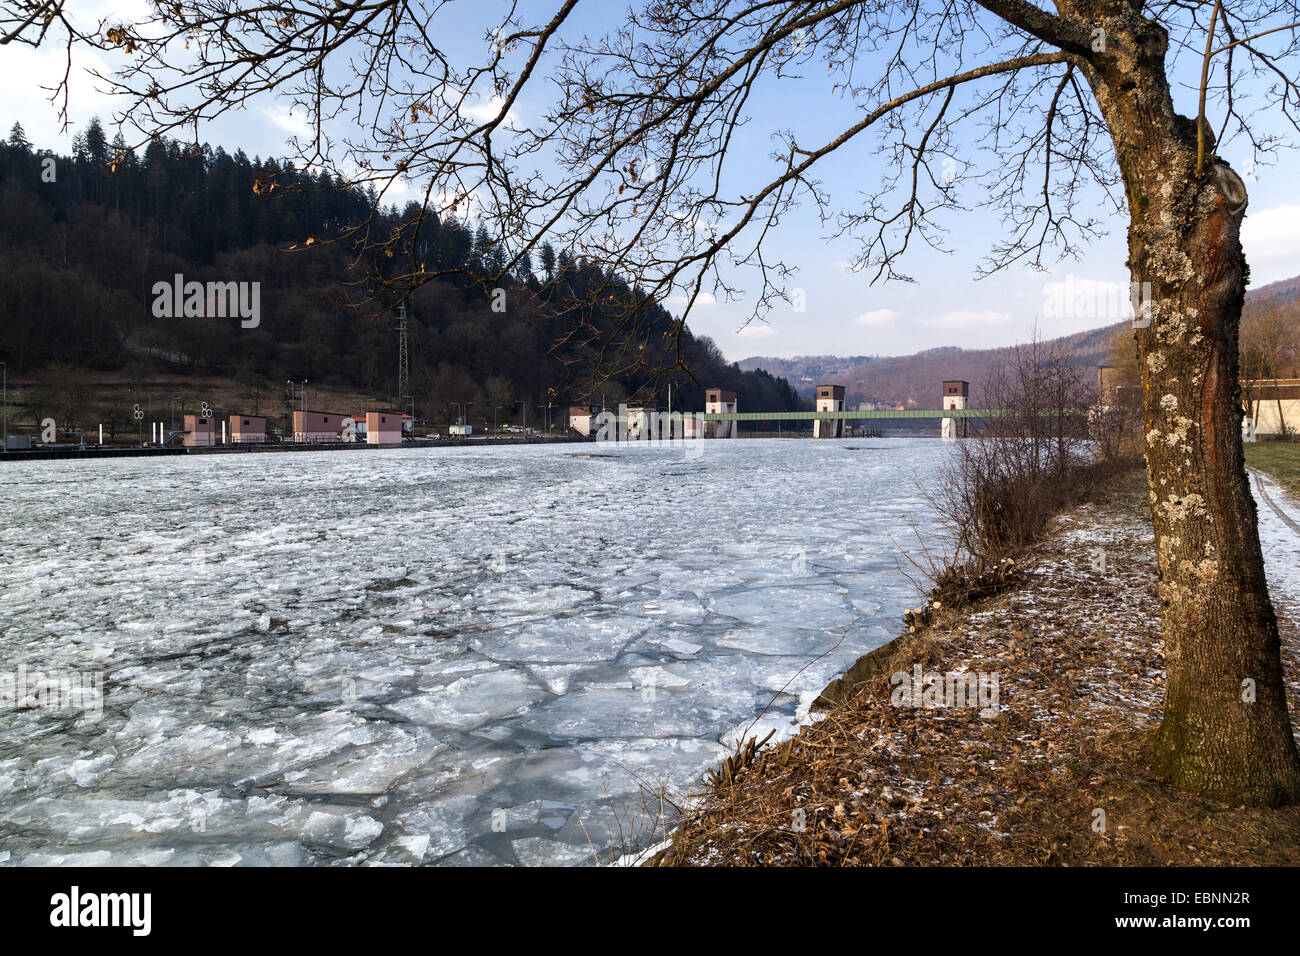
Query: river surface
x,y
459,656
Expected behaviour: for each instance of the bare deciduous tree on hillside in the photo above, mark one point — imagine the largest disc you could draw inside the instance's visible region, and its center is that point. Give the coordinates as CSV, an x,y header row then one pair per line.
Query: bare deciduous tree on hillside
x,y
636,165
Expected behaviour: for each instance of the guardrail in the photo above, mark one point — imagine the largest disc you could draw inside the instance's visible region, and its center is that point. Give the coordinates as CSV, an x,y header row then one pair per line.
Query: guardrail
x,y
825,416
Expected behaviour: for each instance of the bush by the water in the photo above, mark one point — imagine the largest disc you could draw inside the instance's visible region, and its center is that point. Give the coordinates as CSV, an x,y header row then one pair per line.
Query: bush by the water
x,y
1045,447
958,586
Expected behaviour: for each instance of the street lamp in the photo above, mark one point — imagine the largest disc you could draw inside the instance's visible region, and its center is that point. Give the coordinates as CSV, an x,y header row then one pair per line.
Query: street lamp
x,y
302,397
290,382
546,409
4,381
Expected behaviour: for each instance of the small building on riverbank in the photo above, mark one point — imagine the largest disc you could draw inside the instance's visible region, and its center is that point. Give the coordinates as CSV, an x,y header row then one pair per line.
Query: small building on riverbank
x,y
581,418
955,395
247,430
830,398
317,427
639,418
200,431
383,428
1112,392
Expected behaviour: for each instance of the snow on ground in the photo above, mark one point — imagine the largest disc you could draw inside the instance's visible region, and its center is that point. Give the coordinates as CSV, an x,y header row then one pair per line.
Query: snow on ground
x,y
1279,536
466,656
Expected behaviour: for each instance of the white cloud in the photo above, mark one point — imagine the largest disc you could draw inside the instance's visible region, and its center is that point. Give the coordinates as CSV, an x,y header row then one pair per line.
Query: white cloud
x,y
27,81
876,317
755,330
693,222
703,299
1271,238
295,124
481,110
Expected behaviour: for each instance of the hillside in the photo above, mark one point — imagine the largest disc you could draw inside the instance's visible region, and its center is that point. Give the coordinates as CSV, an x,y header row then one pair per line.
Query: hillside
x,y
914,380
88,238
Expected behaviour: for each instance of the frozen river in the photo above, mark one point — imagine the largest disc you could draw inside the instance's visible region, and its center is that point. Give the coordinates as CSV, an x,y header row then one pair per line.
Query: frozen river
x,y
460,656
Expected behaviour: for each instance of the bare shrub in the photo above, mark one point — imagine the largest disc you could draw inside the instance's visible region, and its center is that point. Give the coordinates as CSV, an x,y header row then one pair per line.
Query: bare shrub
x,y
1039,451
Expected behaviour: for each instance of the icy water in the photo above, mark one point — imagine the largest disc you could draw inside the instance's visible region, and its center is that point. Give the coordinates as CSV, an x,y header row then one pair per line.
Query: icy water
x,y
459,656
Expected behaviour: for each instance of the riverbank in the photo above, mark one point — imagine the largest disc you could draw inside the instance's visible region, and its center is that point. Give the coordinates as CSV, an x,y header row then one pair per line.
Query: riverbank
x,y
147,451
1047,766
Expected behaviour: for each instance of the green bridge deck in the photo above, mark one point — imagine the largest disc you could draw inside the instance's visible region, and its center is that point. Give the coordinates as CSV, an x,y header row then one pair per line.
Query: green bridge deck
x,y
812,416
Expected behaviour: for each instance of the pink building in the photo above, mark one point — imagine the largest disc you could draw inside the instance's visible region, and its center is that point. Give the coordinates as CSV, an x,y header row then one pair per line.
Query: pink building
x,y
200,431
720,401
383,428
312,426
247,430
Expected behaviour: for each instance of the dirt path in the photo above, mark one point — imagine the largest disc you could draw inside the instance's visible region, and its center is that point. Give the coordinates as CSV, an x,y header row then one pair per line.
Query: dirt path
x,y
1261,484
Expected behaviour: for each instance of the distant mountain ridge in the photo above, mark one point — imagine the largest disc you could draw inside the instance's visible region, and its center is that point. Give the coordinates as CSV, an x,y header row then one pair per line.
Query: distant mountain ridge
x,y
914,380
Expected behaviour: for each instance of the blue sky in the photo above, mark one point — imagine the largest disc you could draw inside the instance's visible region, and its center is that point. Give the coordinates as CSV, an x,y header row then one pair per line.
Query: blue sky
x,y
844,315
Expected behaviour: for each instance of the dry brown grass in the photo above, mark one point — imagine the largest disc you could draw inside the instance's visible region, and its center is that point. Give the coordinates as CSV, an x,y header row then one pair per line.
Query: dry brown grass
x,y
1279,459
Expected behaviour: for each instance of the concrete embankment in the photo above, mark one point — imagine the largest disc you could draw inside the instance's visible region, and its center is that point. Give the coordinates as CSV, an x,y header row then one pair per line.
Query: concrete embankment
x,y
124,451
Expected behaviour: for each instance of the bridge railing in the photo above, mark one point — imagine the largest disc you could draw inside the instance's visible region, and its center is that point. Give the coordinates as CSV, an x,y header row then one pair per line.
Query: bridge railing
x,y
828,416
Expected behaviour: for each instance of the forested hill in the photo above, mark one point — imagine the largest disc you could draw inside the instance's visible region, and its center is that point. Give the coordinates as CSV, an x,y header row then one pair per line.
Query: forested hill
x,y
85,238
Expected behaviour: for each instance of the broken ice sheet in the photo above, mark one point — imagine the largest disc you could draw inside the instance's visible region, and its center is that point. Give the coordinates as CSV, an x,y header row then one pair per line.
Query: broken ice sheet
x,y
460,630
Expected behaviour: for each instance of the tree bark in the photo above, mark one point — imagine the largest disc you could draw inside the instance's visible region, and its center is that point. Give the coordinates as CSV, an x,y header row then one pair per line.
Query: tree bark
x,y
1226,732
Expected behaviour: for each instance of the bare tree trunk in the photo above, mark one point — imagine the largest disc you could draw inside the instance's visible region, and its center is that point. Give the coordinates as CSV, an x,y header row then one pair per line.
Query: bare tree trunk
x,y
1226,732
1281,418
